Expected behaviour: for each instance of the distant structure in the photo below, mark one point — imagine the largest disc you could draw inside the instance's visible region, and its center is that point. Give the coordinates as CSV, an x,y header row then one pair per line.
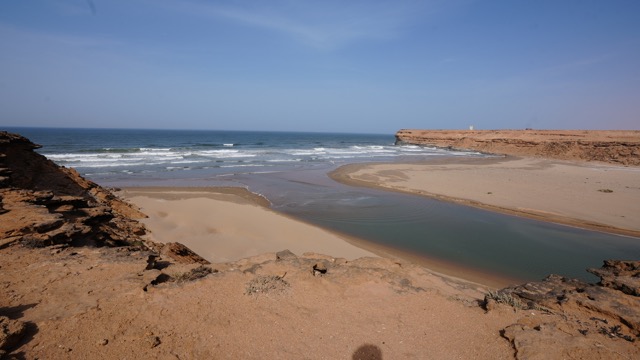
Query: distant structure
x,y
470,127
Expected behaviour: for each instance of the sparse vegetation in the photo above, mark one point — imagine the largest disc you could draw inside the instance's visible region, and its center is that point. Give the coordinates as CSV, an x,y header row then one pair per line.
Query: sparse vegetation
x,y
33,242
605,190
513,301
505,298
195,274
266,284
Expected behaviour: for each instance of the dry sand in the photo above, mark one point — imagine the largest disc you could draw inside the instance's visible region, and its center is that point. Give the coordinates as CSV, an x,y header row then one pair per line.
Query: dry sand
x,y
595,196
89,303
226,224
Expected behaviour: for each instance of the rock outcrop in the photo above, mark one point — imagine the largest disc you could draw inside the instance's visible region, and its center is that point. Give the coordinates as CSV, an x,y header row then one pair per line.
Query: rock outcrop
x,y
48,214
610,146
43,204
573,319
11,333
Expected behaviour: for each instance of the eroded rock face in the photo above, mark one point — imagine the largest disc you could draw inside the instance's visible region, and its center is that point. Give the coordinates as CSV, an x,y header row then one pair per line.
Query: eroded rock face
x,y
570,318
44,204
617,147
181,254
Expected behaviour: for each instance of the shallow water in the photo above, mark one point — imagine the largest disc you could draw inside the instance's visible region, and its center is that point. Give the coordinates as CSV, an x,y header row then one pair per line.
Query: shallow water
x,y
503,245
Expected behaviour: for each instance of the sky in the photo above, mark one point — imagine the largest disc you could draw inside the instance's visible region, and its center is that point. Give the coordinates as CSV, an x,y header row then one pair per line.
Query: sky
x,y
330,66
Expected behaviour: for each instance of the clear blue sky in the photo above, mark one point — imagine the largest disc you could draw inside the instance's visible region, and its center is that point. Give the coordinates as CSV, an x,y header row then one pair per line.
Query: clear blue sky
x,y
323,65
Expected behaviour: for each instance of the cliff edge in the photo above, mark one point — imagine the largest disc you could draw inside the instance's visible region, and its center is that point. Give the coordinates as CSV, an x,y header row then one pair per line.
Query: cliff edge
x,y
611,146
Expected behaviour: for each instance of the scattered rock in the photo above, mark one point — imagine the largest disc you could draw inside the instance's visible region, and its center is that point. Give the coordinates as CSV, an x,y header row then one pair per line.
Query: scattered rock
x,y
619,275
153,341
319,269
11,332
182,254
151,261
285,255
194,274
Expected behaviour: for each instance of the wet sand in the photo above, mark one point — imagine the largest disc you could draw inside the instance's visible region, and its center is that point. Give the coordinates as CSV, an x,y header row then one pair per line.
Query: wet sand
x,y
593,196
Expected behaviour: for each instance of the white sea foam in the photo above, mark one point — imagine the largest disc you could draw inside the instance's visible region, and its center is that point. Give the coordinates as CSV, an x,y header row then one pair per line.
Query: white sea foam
x,y
187,158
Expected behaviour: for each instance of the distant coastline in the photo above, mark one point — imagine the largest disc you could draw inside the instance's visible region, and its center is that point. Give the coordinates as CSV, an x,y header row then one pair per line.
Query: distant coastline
x,y
621,147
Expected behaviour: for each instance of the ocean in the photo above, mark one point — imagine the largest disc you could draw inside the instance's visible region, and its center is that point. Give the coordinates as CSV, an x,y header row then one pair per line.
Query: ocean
x,y
290,169
127,155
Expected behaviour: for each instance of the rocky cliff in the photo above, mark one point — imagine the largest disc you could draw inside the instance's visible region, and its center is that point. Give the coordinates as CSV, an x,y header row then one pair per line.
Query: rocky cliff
x,y
42,204
611,146
78,280
576,316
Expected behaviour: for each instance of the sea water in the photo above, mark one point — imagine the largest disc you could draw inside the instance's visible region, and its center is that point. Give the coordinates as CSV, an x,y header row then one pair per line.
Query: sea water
x,y
156,154
290,169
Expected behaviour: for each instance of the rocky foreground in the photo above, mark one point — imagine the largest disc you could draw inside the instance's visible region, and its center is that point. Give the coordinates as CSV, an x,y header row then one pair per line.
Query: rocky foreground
x,y
610,146
79,279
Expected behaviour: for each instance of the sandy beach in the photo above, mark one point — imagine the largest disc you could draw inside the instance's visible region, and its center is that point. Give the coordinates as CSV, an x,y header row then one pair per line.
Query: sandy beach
x,y
224,224
228,224
594,196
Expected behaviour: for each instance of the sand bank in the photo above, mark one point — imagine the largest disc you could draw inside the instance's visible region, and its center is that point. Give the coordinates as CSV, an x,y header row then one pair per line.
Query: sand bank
x,y
598,197
228,224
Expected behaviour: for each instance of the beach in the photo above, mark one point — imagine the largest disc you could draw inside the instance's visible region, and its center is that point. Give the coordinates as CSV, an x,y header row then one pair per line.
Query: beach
x,y
225,224
229,224
594,196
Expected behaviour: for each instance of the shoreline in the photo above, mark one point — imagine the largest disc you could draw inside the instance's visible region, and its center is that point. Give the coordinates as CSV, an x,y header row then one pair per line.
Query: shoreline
x,y
75,260
532,173
442,180
230,224
160,203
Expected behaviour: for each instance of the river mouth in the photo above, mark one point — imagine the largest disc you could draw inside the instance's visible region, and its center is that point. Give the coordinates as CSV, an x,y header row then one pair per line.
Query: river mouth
x,y
290,170
420,228
463,241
